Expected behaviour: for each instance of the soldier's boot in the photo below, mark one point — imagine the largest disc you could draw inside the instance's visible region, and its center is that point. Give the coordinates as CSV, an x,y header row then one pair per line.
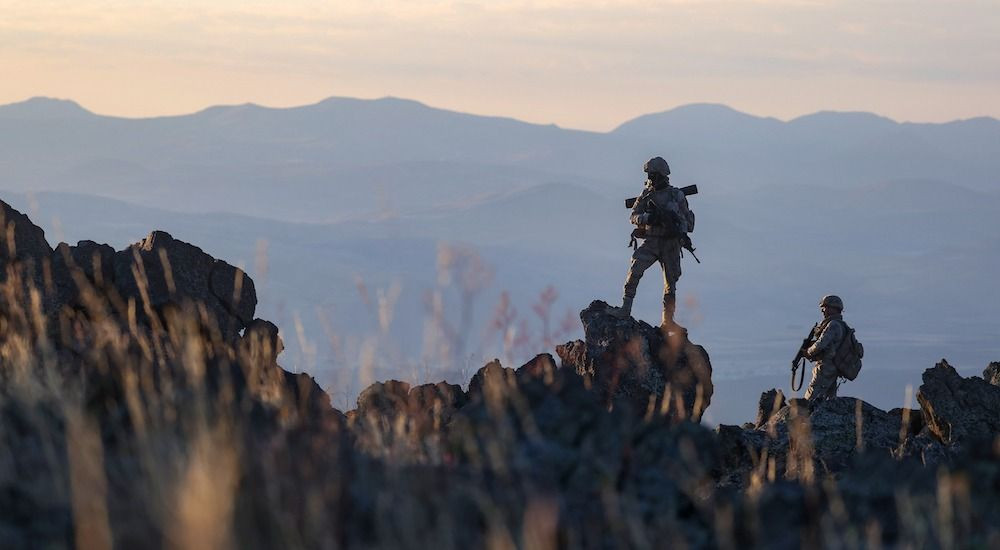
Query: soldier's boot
x,y
667,322
625,311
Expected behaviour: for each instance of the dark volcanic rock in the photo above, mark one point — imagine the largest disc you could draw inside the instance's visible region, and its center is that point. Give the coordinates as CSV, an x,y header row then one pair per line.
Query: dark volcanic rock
x,y
96,262
957,409
558,437
770,402
629,361
911,420
384,398
262,337
992,373
440,399
97,409
21,240
88,266
172,272
926,448
873,485
493,377
394,418
542,366
741,452
234,289
825,436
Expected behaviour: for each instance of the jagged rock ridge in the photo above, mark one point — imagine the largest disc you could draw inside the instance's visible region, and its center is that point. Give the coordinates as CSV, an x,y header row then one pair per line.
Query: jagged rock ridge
x,y
632,362
140,379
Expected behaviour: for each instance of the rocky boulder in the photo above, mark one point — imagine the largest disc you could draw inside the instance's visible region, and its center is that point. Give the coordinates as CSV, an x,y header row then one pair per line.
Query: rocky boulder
x,y
491,379
543,366
435,404
741,455
556,436
393,418
770,402
957,409
911,421
630,362
76,270
22,240
166,272
992,373
822,437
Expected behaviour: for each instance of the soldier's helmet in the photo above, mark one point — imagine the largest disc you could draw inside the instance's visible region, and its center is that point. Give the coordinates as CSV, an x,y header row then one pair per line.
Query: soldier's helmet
x,y
658,165
832,301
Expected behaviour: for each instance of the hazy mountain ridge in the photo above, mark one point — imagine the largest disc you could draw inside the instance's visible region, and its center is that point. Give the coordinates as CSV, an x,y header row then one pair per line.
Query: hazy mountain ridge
x,y
348,144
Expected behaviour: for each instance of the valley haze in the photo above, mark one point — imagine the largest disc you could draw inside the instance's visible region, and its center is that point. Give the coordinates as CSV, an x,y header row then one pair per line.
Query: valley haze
x,y
358,219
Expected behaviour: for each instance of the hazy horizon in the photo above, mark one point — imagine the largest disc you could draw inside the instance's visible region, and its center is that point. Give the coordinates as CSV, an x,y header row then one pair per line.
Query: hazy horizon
x,y
486,114
585,65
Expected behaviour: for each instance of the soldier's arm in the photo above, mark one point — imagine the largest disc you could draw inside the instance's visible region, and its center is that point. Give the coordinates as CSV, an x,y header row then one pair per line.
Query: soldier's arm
x,y
830,336
638,209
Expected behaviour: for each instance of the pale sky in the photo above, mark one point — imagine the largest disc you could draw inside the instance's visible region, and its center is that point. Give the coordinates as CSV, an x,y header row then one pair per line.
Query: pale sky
x,y
583,64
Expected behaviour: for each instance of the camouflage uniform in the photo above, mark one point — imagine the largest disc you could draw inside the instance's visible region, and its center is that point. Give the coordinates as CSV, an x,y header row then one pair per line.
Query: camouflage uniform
x,y
825,374
671,220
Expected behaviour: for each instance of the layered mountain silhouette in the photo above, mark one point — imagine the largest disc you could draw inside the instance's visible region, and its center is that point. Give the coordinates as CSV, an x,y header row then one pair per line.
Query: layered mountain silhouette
x,y
345,150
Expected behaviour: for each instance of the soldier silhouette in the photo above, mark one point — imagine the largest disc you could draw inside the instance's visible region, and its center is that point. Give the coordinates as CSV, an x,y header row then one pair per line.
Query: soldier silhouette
x,y
663,220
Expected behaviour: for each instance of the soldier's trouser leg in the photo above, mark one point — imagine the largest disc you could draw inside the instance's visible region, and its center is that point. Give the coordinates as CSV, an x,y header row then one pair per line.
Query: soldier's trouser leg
x,y
642,258
670,261
823,384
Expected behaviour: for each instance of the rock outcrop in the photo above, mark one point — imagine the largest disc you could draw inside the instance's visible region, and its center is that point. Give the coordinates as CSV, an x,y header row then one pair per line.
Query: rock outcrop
x,y
770,403
160,271
634,364
957,409
22,241
992,373
130,368
831,433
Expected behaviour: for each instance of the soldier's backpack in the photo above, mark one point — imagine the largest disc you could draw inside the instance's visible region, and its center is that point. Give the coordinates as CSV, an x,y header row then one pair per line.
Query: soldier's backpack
x,y
847,359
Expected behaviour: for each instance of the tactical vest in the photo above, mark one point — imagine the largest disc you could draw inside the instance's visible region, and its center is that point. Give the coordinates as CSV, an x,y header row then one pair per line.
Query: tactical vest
x,y
666,206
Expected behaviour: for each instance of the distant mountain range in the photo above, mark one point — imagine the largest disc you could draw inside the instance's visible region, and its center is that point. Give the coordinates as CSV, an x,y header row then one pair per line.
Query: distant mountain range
x,y
335,159
356,198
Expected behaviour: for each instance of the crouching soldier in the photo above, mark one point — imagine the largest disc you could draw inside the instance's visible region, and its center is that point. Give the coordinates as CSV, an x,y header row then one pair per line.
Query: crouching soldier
x,y
663,220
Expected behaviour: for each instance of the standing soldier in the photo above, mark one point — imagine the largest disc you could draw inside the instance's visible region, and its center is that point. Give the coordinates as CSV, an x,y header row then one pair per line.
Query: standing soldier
x,y
827,338
663,220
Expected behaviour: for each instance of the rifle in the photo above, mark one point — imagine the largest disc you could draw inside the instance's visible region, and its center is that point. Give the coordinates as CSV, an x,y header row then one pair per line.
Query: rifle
x,y
800,358
686,245
688,191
